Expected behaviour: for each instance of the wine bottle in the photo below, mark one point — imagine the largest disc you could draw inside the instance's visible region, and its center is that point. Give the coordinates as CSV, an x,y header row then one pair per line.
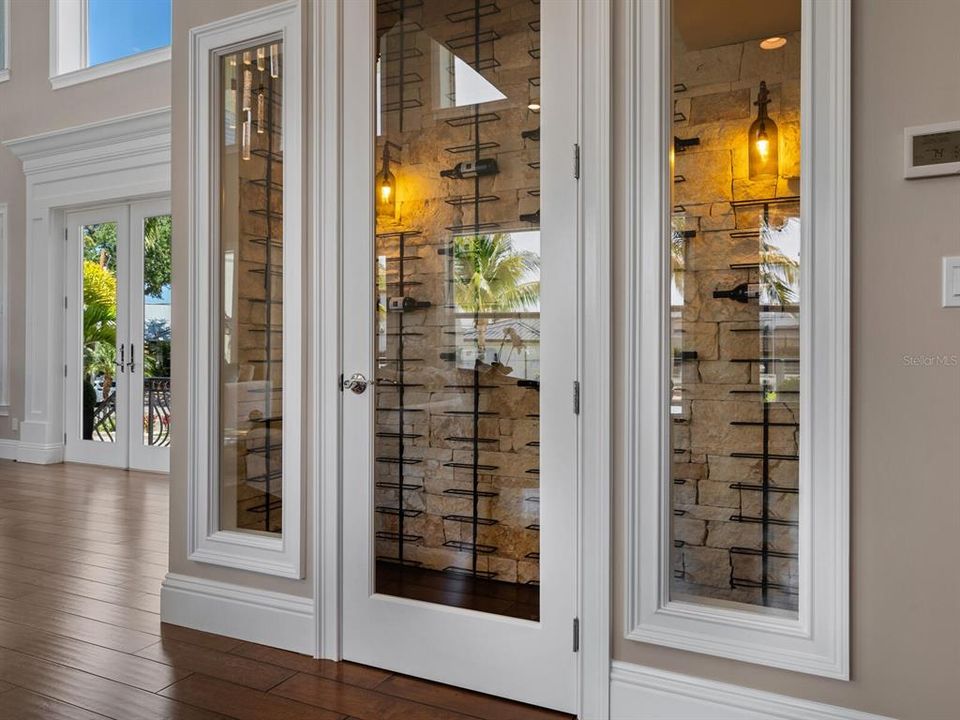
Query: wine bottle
x,y
404,303
470,168
531,134
533,217
744,292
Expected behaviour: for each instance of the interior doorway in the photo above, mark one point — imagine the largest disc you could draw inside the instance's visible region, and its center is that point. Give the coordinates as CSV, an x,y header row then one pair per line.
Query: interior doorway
x,y
118,324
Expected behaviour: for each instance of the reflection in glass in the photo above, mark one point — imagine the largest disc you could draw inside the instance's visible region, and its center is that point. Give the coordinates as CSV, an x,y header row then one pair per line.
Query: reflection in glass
x,y
456,497
251,290
155,363
101,355
735,308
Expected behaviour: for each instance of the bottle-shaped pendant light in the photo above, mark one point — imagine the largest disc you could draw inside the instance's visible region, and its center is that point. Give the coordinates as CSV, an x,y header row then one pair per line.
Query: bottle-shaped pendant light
x,y
764,143
386,188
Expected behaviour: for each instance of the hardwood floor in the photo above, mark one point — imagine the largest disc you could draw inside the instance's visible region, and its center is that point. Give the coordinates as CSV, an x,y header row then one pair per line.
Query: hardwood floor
x,y
82,553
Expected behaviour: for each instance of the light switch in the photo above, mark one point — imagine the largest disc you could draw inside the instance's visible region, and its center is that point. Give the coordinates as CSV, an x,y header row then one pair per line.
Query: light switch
x,y
951,282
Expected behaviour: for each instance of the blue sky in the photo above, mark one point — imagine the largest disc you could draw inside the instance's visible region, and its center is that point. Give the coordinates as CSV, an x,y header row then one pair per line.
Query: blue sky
x,y
118,28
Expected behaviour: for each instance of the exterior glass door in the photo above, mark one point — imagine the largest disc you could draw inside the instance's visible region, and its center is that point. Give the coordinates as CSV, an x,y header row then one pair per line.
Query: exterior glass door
x,y
459,532
117,304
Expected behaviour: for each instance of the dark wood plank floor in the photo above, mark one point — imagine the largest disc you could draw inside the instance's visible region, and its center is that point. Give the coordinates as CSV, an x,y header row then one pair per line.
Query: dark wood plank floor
x,y
82,553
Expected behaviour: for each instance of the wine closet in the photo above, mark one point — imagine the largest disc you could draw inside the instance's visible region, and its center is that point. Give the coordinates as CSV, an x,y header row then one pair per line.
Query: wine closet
x,y
457,281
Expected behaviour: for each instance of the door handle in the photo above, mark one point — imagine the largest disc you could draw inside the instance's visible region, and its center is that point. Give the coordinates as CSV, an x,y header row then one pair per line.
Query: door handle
x,y
132,365
356,382
120,363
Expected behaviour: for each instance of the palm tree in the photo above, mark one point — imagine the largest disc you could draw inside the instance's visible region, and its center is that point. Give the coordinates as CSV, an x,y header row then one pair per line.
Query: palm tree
x,y
491,276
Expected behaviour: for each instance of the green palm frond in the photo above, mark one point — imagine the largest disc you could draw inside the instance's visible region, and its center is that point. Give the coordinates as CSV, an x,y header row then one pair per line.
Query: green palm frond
x,y
490,275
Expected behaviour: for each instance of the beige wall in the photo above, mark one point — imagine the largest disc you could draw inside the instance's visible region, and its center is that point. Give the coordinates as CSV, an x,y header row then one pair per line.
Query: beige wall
x,y
188,14
906,420
29,106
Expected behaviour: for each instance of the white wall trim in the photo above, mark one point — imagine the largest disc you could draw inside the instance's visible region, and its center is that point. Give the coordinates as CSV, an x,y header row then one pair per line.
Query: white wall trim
x,y
596,312
645,693
817,640
114,67
68,48
260,616
114,160
282,555
324,324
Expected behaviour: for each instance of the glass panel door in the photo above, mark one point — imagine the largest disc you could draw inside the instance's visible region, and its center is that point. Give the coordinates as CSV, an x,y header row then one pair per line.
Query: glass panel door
x,y
457,271
461,313
96,375
150,334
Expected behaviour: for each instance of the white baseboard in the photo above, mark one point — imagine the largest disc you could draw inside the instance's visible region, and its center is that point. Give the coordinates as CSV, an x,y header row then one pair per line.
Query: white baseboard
x,y
645,693
8,449
269,618
39,454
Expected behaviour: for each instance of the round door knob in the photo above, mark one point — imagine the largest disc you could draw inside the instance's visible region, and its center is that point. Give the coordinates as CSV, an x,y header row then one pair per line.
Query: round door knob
x,y
356,382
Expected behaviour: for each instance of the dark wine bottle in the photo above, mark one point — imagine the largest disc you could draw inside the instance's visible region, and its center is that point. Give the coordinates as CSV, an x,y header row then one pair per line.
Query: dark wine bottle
x,y
533,217
531,134
404,303
470,168
742,293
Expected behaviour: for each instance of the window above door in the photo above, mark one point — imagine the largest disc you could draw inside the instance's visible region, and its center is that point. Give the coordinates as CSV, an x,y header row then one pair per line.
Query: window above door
x,y
92,39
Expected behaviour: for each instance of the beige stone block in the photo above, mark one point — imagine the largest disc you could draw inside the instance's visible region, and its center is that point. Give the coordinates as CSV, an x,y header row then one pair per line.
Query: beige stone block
x,y
684,492
689,530
701,338
703,67
723,371
734,534
732,105
717,494
746,189
709,175
707,566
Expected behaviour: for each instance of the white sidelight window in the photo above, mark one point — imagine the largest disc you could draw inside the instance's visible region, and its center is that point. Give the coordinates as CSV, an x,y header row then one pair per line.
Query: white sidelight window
x,y
737,327
245,293
91,39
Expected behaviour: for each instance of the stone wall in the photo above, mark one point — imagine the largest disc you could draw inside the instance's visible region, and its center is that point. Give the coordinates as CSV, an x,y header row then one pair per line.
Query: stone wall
x,y
735,373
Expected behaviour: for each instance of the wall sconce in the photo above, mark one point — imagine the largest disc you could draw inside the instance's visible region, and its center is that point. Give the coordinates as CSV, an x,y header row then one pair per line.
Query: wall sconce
x,y
386,187
763,139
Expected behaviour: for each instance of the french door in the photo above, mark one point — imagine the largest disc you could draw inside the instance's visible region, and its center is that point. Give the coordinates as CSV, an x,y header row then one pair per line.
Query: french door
x,y
460,357
117,304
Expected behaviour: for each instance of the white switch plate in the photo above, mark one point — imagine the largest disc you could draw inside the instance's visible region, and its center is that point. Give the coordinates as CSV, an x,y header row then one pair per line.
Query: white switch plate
x,y
951,282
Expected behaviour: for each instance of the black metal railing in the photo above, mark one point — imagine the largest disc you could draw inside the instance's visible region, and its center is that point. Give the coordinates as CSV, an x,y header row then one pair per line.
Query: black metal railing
x,y
156,411
156,414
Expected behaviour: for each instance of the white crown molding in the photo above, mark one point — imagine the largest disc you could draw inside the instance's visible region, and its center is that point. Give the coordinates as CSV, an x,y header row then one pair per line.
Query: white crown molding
x,y
98,140
637,691
269,618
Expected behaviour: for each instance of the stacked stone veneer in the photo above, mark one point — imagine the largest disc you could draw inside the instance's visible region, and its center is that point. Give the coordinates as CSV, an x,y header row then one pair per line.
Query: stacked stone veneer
x,y
713,554
439,397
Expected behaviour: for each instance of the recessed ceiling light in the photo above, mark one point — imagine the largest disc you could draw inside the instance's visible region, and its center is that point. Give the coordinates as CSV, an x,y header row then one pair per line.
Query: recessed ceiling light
x,y
772,43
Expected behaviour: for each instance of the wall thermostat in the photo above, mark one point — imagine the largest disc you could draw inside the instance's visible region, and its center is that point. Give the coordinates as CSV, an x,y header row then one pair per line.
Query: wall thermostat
x,y
931,150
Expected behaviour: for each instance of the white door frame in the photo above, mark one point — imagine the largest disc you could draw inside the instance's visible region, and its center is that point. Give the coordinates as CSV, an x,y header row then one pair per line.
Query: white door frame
x,y
324,193
116,160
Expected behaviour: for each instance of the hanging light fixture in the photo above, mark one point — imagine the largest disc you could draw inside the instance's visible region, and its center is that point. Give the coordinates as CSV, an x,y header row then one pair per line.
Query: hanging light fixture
x,y
386,190
763,139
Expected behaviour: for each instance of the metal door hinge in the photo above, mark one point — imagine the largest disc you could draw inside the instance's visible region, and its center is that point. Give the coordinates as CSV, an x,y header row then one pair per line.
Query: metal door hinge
x,y
340,382
65,235
576,161
64,370
576,634
64,302
64,438
576,397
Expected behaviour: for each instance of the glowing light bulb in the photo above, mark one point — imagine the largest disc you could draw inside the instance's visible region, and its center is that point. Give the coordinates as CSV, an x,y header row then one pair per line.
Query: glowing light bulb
x,y
773,43
385,192
763,145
